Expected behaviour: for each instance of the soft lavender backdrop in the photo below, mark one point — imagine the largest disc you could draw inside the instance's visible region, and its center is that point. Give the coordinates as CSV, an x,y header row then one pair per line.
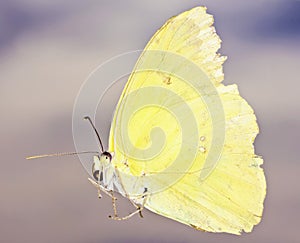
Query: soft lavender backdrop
x,y
47,49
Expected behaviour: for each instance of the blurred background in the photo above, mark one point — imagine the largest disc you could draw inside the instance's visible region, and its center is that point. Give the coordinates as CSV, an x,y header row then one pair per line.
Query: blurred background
x,y
47,50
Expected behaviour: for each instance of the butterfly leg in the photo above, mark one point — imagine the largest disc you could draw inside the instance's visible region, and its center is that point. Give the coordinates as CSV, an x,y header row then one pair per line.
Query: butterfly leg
x,y
138,210
108,193
114,204
141,201
125,217
100,188
139,206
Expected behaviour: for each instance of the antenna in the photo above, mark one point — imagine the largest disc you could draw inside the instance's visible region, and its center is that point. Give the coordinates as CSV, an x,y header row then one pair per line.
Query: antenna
x,y
60,154
98,136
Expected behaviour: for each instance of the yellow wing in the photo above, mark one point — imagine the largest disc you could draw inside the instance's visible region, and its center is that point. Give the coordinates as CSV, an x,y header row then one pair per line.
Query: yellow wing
x,y
183,137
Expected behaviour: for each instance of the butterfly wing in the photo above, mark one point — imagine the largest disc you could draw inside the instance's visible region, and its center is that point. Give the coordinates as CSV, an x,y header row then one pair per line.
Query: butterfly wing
x,y
183,138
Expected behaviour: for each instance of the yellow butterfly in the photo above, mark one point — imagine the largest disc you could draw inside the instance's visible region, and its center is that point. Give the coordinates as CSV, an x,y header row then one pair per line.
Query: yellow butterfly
x,y
165,126
181,142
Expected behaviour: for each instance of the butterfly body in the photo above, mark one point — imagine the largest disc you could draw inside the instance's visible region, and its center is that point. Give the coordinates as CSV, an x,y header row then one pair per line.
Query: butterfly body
x,y
107,176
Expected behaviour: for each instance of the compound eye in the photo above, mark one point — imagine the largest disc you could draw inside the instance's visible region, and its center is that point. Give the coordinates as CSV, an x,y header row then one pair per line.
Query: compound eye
x,y
107,156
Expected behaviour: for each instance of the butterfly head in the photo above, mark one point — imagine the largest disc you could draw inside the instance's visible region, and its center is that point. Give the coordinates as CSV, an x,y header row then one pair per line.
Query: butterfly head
x,y
100,162
106,157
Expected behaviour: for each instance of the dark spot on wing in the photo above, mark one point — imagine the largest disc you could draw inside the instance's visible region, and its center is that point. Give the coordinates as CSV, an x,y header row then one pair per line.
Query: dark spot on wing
x,y
167,80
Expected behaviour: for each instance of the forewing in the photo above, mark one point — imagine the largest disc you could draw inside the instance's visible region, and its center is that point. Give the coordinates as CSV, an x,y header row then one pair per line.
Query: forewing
x,y
174,116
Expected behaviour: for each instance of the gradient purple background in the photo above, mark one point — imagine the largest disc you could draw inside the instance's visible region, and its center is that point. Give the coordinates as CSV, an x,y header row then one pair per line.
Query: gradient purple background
x,y
48,48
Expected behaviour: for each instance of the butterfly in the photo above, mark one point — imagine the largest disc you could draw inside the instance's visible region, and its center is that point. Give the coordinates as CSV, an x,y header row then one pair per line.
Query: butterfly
x,y
181,142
